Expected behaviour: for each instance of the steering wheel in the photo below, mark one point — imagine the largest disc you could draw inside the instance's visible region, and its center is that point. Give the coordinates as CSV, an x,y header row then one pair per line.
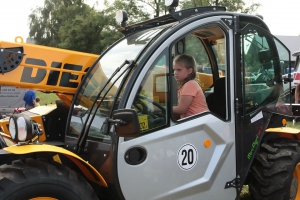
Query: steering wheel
x,y
145,110
262,78
155,117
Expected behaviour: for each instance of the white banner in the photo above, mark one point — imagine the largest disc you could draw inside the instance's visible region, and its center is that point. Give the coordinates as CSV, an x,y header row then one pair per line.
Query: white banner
x,y
11,97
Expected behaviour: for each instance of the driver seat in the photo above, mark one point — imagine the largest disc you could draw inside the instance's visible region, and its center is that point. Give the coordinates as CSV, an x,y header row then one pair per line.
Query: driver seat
x,y
216,101
265,59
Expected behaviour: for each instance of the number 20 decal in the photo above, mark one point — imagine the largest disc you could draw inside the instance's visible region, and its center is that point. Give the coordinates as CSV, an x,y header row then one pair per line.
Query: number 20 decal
x,y
187,156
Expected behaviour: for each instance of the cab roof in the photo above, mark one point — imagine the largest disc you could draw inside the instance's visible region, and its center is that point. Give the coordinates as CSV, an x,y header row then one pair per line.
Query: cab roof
x,y
170,18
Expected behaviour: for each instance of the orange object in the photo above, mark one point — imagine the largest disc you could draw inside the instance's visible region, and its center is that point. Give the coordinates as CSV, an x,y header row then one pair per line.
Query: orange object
x,y
207,143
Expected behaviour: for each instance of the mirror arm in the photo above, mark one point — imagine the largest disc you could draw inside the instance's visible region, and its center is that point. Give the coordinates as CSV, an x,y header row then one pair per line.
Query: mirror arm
x,y
116,122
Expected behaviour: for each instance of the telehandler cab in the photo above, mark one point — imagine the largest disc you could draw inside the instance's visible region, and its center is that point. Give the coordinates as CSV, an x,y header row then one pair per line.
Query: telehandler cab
x,y
117,137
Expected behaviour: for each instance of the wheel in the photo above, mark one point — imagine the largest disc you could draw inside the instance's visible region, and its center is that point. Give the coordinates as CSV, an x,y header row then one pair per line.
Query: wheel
x,y
276,172
39,179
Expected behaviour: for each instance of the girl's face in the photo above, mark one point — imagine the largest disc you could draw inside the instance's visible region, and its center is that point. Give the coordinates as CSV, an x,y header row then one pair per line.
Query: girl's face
x,y
181,72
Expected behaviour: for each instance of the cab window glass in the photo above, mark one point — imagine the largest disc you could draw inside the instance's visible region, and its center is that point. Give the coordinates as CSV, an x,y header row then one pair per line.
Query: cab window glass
x,y
265,61
207,45
195,48
151,102
219,50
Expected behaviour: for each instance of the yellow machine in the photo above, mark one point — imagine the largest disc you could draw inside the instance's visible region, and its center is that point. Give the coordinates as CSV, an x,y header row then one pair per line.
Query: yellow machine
x,y
115,134
43,68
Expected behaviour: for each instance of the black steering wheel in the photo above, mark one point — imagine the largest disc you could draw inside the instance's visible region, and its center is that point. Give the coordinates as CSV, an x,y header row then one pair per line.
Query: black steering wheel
x,y
144,109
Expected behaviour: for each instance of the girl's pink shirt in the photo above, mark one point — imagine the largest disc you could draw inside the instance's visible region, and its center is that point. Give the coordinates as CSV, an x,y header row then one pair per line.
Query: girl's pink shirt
x,y
198,105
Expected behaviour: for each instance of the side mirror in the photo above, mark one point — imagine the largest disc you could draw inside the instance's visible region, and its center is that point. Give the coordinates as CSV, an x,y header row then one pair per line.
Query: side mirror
x,y
128,123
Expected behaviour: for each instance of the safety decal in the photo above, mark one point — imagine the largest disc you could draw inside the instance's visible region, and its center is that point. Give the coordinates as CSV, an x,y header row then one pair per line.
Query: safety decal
x,y
257,117
187,156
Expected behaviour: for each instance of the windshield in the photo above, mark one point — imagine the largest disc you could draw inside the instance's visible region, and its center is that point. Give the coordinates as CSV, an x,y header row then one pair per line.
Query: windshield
x,y
127,49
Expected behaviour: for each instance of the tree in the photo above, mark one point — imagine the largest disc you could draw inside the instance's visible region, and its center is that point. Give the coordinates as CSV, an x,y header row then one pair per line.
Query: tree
x,y
157,6
82,32
231,5
135,14
44,24
72,24
69,24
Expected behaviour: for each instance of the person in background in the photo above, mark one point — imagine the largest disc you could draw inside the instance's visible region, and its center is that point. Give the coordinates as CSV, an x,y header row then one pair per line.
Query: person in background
x,y
191,99
37,101
297,101
29,99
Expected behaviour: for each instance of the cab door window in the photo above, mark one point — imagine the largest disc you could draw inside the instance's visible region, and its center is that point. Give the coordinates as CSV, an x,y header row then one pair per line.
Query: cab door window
x,y
151,101
264,62
208,46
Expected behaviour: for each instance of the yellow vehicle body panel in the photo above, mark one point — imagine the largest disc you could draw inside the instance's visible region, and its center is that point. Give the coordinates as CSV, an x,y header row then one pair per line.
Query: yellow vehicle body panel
x,y
48,69
88,170
289,130
38,112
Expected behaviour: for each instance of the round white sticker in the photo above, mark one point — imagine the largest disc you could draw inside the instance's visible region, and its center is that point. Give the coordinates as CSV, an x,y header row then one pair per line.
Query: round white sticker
x,y
187,156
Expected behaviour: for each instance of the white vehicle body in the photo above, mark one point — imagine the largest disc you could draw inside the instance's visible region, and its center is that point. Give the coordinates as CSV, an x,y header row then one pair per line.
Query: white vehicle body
x,y
296,73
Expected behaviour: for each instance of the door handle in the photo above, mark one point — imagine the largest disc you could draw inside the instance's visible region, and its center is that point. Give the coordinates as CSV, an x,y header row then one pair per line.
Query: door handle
x,y
135,155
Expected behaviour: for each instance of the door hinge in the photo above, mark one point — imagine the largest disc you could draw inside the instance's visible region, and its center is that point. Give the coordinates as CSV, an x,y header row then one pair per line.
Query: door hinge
x,y
234,183
237,105
236,23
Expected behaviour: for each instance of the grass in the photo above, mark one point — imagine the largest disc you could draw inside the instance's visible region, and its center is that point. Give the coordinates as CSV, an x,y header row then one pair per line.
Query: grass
x,y
46,98
290,124
245,195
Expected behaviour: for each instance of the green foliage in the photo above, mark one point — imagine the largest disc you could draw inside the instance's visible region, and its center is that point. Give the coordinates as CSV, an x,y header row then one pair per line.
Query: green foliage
x,y
69,24
157,6
43,25
83,31
74,25
231,5
136,13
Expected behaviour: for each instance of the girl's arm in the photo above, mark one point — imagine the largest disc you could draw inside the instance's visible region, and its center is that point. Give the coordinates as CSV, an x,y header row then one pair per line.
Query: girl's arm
x,y
183,104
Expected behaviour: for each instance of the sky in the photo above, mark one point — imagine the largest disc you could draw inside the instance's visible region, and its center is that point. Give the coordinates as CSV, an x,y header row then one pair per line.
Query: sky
x,y
281,19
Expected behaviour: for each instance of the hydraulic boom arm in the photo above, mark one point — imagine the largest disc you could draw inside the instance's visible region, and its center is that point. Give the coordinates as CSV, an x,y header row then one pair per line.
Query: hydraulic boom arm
x,y
42,68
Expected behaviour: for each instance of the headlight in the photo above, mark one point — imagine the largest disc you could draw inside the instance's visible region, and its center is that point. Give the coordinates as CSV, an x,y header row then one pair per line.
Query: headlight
x,y
12,128
172,3
121,17
20,127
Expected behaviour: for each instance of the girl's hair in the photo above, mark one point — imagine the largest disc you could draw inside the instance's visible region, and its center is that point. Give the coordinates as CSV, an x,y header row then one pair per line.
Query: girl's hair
x,y
188,62
37,99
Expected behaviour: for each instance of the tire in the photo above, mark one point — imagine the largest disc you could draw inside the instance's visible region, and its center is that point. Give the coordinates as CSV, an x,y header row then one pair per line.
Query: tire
x,y
31,178
276,173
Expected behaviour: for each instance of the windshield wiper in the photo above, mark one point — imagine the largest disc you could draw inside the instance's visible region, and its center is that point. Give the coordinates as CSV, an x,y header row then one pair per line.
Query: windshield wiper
x,y
85,129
